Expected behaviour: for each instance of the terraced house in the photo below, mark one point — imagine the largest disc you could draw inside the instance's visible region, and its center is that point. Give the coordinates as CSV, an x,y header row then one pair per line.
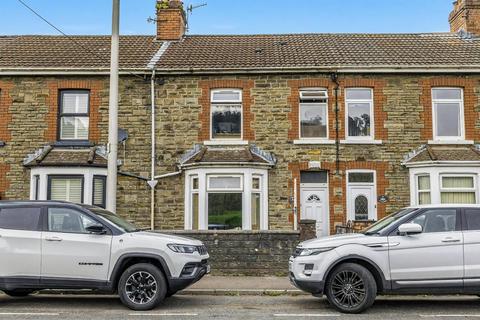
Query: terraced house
x,y
252,132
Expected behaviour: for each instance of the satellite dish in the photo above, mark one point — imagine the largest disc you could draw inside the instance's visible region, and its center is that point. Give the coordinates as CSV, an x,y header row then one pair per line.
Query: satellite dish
x,y
122,135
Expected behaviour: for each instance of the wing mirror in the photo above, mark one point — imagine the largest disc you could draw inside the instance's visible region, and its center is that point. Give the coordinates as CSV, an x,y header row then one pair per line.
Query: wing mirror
x,y
410,228
96,229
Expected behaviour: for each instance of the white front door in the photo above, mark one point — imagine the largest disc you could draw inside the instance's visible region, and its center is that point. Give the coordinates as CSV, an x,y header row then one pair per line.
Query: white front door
x,y
361,203
314,206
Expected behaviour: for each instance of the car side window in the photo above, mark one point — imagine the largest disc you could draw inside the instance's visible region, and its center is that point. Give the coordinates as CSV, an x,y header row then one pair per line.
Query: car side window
x,y
68,221
437,220
24,218
472,217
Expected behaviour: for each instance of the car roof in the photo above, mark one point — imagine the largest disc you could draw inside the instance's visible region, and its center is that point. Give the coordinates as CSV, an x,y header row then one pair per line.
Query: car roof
x,y
35,202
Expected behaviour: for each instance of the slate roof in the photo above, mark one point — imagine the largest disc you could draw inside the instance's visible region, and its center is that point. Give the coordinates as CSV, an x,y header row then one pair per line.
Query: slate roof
x,y
74,52
219,155
444,153
66,157
279,52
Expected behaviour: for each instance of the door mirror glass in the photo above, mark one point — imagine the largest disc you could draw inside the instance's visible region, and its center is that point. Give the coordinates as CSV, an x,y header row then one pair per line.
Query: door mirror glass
x,y
96,229
410,228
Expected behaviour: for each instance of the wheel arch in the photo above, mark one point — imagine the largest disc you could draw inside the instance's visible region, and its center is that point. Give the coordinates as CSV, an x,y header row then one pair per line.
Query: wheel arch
x,y
377,273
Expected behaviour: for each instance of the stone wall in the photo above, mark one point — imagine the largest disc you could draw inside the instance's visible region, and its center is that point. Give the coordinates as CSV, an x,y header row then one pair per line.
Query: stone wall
x,y
247,253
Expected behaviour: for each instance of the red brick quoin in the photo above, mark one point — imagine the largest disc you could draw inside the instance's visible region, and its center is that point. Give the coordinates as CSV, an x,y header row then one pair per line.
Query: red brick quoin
x,y
5,134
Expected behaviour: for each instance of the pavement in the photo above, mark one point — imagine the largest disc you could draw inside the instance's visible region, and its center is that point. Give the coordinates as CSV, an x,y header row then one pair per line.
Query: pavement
x,y
206,307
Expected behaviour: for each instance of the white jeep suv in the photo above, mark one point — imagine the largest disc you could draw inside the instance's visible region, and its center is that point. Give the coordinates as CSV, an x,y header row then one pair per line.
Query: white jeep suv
x,y
419,250
59,245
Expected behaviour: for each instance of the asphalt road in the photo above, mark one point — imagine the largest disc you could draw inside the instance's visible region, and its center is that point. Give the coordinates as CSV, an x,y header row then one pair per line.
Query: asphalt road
x,y
199,307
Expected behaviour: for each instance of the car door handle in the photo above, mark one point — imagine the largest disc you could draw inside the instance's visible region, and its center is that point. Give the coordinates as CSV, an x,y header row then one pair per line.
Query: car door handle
x,y
450,240
53,239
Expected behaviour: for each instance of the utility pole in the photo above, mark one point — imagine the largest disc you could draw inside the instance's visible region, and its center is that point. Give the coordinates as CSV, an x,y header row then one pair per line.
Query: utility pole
x,y
112,146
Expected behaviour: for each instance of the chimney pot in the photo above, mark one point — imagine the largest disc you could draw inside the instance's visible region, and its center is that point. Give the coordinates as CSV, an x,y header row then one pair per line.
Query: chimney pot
x,y
171,20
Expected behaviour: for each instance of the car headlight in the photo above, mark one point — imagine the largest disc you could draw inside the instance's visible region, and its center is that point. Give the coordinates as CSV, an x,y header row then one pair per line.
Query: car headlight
x,y
182,248
314,251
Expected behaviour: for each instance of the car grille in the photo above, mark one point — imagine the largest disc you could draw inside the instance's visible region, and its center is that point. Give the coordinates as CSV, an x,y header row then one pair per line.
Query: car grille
x,y
202,250
297,252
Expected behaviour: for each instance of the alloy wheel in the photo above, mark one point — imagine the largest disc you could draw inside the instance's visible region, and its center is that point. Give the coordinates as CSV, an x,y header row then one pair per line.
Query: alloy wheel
x,y
348,289
141,287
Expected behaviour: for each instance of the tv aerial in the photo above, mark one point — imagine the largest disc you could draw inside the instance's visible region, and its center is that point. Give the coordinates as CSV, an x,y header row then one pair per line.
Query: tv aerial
x,y
190,9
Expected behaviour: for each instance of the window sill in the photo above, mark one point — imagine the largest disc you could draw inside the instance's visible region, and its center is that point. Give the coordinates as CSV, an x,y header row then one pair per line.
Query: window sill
x,y
313,141
361,141
225,143
451,142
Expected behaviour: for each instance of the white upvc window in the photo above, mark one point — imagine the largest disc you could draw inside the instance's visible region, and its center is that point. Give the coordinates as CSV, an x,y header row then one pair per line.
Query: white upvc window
x,y
313,117
359,115
423,187
448,114
74,115
226,114
226,199
455,188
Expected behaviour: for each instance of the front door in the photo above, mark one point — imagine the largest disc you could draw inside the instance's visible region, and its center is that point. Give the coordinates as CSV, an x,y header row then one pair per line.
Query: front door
x,y
361,203
314,206
433,258
69,251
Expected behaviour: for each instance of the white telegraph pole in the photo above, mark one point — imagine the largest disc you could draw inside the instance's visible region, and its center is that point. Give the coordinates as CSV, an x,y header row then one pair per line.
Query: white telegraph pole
x,y
113,112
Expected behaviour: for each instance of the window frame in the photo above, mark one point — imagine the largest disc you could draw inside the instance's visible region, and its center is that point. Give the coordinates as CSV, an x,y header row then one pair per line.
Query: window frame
x,y
226,102
230,190
305,102
461,115
61,115
474,190
370,101
66,177
418,190
104,191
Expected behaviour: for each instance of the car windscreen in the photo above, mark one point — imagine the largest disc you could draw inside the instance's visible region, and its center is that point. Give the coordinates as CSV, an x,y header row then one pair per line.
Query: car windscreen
x,y
387,221
114,219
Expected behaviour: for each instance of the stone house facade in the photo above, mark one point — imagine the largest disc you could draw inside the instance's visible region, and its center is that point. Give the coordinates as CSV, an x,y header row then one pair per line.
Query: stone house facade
x,y
252,132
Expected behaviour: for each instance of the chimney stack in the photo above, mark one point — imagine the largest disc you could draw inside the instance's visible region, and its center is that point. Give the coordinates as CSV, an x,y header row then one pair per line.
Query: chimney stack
x,y
171,20
465,16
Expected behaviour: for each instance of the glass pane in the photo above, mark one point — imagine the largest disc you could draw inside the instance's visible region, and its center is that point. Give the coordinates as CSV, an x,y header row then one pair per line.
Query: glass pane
x,y
458,197
447,93
359,94
473,219
226,122
75,103
227,95
224,211
255,183
225,182
256,208
20,218
63,189
98,192
358,119
437,220
194,183
82,128
68,220
423,182
457,182
359,177
313,176
448,119
313,120
361,208
195,211
424,198
67,128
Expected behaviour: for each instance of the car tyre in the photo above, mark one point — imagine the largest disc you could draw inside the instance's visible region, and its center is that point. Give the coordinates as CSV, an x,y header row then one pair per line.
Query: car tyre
x,y
170,293
142,287
18,292
351,288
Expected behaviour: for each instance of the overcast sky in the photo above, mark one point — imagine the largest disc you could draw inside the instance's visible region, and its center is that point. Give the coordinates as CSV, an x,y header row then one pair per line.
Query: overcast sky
x,y
233,16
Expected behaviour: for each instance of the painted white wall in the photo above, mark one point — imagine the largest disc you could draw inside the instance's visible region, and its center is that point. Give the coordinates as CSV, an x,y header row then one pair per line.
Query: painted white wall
x,y
44,172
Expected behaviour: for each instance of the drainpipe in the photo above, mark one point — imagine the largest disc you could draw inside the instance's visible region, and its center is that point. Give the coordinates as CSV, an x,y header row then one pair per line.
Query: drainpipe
x,y
152,183
295,205
334,77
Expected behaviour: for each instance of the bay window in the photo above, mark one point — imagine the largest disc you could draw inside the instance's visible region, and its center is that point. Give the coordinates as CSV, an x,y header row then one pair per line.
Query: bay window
x,y
65,188
74,115
448,123
457,189
359,114
226,199
313,114
226,114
